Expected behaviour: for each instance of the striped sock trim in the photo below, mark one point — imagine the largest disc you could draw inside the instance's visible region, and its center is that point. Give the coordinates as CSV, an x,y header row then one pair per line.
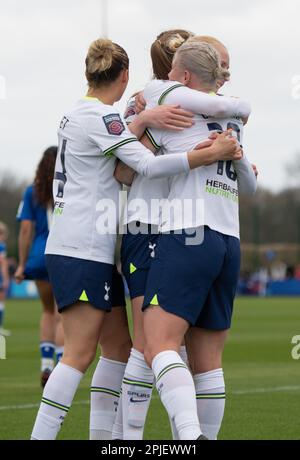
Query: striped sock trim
x,y
107,391
55,404
169,368
210,395
137,383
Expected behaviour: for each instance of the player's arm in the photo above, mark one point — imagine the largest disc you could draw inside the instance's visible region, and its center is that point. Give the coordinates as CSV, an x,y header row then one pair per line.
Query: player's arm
x,y
212,105
161,117
24,243
246,176
145,163
4,270
164,117
112,137
123,173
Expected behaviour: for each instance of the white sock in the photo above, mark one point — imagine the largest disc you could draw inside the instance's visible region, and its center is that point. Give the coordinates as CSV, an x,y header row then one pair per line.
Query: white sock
x,y
176,388
57,398
183,355
47,363
136,395
117,431
210,391
105,392
2,308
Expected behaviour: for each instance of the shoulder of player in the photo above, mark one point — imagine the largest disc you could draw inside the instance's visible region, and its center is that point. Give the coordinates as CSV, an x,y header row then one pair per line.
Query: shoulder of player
x,y
157,89
28,194
91,112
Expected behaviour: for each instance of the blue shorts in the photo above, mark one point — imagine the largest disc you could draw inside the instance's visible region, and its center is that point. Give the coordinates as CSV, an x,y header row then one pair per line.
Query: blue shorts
x,y
137,251
197,283
76,279
1,283
35,268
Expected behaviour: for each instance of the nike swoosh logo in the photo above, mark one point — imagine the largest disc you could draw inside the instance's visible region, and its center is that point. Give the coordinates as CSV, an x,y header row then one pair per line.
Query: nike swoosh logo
x,y
138,400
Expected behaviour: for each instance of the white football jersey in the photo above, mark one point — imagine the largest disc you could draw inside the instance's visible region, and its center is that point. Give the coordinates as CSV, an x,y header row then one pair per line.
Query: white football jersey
x,y
207,195
86,194
145,195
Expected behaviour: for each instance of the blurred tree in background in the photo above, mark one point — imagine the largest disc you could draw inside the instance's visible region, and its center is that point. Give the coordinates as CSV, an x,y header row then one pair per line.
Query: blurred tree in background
x,y
11,191
269,220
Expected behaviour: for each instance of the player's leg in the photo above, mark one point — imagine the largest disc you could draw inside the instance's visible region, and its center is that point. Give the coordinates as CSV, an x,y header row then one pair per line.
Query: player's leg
x,y
136,254
164,332
82,289
115,344
179,281
59,337
81,324
138,380
2,310
205,349
206,344
47,328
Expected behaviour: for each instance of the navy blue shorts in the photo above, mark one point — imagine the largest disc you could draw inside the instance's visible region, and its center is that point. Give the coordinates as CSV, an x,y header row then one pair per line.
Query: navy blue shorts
x,y
197,283
76,279
137,251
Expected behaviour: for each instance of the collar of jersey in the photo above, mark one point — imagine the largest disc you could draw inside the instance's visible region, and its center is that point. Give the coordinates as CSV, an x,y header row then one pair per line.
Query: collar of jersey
x,y
90,98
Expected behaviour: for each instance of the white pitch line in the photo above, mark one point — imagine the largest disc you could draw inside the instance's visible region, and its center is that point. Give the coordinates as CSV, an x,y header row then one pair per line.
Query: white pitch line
x,y
235,392
266,390
34,406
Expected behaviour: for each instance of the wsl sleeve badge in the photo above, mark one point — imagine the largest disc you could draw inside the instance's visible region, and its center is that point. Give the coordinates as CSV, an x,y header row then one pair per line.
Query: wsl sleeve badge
x,y
114,124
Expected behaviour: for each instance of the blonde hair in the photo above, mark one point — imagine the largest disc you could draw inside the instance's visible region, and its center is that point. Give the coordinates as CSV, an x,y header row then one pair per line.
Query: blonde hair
x,y
201,59
163,50
104,62
207,39
4,229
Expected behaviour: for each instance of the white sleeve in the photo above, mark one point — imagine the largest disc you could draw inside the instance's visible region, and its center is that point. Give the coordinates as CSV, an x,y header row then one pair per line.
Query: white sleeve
x,y
247,182
147,164
109,132
207,104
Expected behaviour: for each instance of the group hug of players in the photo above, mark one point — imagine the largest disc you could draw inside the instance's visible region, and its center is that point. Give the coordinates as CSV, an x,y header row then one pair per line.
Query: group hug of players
x,y
179,149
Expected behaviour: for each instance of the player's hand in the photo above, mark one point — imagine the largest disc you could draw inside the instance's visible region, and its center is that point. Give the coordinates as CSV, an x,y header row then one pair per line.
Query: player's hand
x,y
19,274
168,117
123,173
204,144
226,147
140,103
255,170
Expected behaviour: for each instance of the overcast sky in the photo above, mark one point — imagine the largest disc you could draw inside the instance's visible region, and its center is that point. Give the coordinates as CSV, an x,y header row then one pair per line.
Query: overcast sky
x,y
43,44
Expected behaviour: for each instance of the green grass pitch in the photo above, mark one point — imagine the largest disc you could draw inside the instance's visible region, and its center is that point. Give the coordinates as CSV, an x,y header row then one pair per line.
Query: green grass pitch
x,y
262,379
